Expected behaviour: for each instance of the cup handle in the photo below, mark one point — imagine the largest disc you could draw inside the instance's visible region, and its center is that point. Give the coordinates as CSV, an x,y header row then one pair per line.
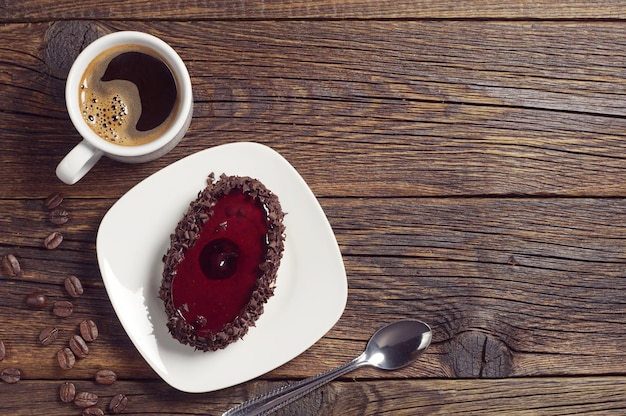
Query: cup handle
x,y
78,162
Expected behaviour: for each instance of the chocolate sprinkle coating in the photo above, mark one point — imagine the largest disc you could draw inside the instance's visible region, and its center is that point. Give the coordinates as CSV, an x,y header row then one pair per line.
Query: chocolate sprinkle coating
x,y
187,233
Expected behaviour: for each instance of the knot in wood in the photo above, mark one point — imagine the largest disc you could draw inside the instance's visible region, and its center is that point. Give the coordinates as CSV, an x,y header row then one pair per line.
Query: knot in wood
x,y
64,41
475,354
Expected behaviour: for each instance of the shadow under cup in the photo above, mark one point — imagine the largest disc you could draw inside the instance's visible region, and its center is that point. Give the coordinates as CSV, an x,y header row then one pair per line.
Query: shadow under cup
x,y
129,96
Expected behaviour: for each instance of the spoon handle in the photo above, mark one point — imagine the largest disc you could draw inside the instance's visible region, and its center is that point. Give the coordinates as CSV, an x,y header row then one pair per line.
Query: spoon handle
x,y
282,396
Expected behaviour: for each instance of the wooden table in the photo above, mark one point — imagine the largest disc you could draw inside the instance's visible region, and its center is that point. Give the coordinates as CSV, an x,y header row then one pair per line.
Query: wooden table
x,y
470,157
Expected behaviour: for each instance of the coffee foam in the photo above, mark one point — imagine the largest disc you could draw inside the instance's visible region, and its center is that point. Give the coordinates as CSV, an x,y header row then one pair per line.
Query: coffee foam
x,y
112,108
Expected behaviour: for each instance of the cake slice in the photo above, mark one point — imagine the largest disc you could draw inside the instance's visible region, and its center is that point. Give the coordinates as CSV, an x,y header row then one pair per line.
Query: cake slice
x,y
220,269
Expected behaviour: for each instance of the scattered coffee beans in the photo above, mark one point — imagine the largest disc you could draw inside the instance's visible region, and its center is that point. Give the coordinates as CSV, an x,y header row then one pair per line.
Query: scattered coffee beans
x,y
78,346
73,286
53,200
88,330
86,399
93,411
53,240
67,392
62,308
10,375
10,265
105,377
66,358
48,335
3,350
36,300
118,403
59,216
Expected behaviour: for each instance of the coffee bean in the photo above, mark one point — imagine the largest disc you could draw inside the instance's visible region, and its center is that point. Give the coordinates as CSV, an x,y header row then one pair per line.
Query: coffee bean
x,y
53,200
73,286
67,392
78,346
105,377
88,330
86,399
59,216
66,358
48,335
62,308
36,300
53,240
93,411
11,265
118,403
3,351
10,375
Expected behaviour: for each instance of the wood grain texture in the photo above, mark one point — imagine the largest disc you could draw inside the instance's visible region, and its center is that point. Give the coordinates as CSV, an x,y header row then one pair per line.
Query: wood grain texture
x,y
442,113
511,283
469,157
309,9
357,397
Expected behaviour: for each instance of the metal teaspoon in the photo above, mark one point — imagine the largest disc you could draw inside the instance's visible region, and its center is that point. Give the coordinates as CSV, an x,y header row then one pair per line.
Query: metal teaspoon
x,y
391,347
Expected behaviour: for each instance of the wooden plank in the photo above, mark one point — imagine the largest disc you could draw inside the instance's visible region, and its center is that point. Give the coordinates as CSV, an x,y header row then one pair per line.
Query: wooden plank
x,y
448,113
357,397
514,270
513,277
469,156
307,9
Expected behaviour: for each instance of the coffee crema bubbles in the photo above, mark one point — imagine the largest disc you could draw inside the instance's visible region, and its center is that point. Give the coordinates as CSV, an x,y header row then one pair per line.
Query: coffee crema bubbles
x,y
128,96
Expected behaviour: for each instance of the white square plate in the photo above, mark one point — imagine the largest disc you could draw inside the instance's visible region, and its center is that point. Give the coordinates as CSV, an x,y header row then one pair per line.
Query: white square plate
x,y
311,290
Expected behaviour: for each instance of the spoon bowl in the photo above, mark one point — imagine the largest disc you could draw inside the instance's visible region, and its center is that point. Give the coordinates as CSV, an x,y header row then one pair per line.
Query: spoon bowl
x,y
398,344
393,346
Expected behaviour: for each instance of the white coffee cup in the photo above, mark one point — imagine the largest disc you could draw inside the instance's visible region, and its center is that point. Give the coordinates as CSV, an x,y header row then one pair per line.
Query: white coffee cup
x,y
85,155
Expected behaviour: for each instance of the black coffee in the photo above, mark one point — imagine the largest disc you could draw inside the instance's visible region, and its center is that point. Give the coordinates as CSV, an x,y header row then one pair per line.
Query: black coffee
x,y
128,96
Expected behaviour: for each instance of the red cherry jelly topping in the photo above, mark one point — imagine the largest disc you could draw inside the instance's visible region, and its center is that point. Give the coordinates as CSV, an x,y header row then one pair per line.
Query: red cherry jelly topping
x,y
219,272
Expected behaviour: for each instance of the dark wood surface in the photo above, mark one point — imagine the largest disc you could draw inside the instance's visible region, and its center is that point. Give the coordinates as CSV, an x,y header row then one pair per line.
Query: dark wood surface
x,y
470,157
